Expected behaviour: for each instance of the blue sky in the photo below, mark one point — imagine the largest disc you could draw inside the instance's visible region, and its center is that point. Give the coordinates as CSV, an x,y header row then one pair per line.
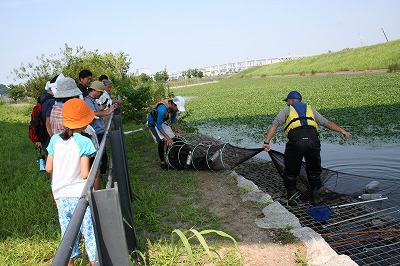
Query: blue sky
x,y
182,34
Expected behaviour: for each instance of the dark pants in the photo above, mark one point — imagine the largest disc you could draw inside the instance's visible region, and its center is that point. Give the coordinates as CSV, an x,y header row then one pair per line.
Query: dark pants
x,y
303,143
104,159
160,142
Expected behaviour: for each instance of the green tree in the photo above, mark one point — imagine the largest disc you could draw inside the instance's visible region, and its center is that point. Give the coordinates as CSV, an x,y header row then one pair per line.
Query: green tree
x,y
70,62
138,93
192,73
161,76
16,92
200,74
144,78
137,97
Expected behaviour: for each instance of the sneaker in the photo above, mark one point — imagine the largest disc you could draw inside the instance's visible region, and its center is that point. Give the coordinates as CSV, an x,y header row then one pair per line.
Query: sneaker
x,y
164,166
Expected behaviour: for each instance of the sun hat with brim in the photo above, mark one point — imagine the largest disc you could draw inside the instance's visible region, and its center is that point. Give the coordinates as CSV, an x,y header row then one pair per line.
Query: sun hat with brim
x,y
180,103
76,114
67,88
97,86
293,95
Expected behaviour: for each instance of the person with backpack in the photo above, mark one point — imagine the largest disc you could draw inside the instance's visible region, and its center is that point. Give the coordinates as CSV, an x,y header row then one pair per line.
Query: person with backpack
x,y
68,162
46,101
161,132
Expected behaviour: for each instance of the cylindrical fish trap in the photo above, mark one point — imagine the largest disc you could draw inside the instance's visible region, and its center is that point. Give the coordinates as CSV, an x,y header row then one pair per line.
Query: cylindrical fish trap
x,y
178,155
199,161
213,157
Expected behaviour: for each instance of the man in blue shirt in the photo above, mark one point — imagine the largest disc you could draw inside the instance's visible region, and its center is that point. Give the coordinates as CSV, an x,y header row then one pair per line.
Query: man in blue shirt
x,y
161,132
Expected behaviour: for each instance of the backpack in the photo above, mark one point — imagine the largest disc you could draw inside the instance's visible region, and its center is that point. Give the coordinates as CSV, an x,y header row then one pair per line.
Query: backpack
x,y
37,127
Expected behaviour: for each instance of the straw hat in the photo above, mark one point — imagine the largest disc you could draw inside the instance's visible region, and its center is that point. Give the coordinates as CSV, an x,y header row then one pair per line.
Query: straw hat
x,y
76,114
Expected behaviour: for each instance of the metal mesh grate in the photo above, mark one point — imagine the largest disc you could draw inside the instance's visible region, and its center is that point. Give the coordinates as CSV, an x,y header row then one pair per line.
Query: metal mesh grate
x,y
368,233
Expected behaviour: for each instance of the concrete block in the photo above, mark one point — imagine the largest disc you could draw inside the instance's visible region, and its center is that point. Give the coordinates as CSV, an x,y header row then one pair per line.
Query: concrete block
x,y
276,216
340,260
257,197
245,183
318,251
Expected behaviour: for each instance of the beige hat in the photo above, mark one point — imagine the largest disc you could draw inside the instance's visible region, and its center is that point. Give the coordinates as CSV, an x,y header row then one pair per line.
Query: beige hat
x,y
97,86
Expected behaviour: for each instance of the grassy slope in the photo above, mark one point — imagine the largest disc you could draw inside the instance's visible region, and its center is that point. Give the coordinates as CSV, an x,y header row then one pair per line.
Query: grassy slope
x,y
378,56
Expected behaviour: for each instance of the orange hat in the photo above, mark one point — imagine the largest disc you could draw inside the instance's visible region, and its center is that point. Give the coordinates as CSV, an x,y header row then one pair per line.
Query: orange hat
x,y
76,114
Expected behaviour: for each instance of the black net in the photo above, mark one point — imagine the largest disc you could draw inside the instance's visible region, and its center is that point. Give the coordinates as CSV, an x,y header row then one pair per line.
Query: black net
x,y
214,157
343,183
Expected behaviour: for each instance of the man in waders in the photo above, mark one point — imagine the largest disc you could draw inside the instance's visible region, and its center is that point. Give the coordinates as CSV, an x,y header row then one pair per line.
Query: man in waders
x,y
161,132
300,123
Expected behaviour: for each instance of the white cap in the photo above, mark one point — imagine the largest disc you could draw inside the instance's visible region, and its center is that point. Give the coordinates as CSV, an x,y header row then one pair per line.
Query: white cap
x,y
180,103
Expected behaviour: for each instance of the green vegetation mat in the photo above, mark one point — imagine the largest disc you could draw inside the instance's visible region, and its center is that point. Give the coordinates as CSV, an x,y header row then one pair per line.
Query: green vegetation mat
x,y
364,104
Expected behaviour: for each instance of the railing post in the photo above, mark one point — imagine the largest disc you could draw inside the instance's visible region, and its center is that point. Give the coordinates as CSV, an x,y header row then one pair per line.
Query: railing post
x,y
124,188
108,223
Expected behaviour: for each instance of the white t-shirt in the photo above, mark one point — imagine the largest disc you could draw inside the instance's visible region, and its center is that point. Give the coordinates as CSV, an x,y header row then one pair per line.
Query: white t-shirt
x,y
103,98
90,130
67,180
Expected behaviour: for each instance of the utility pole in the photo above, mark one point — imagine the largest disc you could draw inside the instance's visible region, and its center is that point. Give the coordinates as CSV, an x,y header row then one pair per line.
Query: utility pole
x,y
384,34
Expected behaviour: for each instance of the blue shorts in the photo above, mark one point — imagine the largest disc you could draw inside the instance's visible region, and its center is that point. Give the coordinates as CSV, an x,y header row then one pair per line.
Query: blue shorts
x,y
66,207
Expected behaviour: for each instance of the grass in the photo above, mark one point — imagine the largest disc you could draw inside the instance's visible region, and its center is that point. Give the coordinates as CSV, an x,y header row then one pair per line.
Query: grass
x,y
29,229
300,260
284,236
379,56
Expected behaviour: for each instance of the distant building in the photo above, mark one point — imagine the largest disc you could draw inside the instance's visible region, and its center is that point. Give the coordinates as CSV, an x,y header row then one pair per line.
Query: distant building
x,y
226,68
140,71
175,75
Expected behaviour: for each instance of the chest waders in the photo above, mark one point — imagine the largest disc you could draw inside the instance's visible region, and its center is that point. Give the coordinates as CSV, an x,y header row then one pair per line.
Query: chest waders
x,y
303,143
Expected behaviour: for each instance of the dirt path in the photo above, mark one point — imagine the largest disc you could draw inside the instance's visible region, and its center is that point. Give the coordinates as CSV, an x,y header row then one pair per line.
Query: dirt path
x,y
259,246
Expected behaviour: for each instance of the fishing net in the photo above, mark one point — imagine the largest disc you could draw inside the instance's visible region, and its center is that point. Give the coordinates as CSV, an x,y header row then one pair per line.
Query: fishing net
x,y
343,183
222,156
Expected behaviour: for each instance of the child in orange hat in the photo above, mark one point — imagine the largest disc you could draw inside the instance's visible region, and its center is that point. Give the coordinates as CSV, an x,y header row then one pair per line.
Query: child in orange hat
x,y
68,161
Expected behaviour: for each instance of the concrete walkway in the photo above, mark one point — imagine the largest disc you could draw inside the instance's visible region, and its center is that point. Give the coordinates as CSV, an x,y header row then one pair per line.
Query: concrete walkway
x,y
319,253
